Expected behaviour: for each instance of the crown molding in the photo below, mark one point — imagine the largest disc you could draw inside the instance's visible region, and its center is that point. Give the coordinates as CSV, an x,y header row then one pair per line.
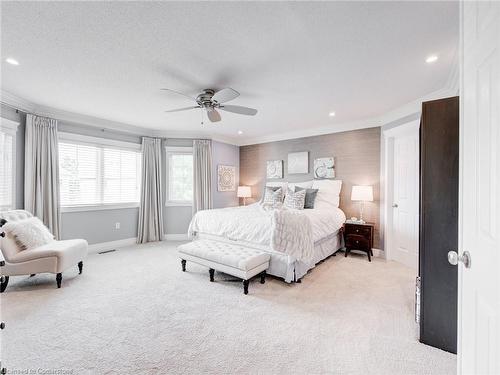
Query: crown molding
x,y
414,106
71,117
337,128
411,108
16,102
405,110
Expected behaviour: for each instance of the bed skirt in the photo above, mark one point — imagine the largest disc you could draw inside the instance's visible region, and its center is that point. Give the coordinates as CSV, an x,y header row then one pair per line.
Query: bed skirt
x,y
281,265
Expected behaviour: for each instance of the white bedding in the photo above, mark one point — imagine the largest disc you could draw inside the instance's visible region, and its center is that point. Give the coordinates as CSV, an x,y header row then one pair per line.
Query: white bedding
x,y
256,225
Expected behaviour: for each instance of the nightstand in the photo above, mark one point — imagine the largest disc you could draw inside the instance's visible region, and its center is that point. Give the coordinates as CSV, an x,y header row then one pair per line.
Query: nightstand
x,y
359,237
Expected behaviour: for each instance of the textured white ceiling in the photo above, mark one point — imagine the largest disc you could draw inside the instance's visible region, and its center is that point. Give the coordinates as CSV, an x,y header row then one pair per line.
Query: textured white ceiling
x,y
295,62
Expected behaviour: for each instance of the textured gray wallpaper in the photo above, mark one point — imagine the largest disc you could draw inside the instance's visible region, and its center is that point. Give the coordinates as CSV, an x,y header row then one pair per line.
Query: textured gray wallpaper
x,y
357,162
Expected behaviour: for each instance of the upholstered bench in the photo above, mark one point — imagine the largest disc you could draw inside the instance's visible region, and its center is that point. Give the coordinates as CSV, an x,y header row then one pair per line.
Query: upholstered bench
x,y
235,260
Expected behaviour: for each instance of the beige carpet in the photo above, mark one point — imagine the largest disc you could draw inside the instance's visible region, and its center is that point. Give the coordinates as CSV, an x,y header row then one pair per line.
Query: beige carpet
x,y
134,312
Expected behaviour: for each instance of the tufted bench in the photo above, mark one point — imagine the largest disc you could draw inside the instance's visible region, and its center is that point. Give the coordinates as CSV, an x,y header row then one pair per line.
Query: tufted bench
x,y
233,259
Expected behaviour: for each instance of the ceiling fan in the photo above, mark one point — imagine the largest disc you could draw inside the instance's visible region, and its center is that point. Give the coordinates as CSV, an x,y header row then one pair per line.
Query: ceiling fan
x,y
211,100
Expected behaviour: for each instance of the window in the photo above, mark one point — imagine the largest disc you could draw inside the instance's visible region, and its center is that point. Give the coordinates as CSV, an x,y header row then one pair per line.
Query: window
x,y
7,164
180,176
105,175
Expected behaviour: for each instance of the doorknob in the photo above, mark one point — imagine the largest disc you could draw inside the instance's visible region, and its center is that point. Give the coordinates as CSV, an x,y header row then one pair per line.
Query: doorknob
x,y
395,205
454,258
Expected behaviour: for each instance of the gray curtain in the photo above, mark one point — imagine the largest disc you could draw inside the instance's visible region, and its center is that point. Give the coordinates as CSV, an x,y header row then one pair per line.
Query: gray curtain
x,y
151,209
41,171
202,175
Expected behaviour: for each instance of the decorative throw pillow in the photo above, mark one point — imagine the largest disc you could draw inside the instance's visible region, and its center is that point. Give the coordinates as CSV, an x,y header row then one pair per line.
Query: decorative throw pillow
x,y
273,197
295,200
273,188
310,196
28,233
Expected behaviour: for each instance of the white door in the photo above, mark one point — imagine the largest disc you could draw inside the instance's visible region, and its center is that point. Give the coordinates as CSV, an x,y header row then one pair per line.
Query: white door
x,y
404,237
479,223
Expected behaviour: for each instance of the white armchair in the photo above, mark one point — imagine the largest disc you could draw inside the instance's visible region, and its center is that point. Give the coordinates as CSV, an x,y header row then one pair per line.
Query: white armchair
x,y
54,257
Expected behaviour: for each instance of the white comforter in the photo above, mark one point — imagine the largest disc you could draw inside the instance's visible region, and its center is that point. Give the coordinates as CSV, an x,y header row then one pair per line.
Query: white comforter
x,y
290,231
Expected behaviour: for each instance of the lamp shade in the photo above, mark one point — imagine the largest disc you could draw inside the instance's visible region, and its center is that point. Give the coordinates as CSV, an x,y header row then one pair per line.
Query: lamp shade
x,y
244,192
362,193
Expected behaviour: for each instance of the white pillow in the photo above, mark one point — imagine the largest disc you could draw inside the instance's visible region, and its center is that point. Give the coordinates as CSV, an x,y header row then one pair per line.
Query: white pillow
x,y
28,233
328,193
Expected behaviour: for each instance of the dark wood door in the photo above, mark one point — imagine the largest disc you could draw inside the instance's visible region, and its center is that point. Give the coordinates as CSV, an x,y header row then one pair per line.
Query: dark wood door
x,y
439,151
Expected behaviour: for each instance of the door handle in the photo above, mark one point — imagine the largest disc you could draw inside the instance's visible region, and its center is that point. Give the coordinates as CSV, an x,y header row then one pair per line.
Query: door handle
x,y
395,205
454,258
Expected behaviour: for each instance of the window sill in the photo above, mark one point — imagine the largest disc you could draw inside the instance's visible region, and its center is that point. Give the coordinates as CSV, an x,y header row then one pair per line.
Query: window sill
x,y
178,204
99,207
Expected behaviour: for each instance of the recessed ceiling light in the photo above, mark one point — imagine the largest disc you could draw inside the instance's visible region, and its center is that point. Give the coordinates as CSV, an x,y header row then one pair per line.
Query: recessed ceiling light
x,y
240,132
331,114
430,59
12,61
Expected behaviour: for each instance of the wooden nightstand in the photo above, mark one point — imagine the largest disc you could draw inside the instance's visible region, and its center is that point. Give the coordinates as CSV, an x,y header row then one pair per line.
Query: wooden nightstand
x,y
359,237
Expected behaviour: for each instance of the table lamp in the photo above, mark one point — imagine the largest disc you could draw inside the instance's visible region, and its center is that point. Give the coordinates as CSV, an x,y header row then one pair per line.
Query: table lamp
x,y
362,194
244,192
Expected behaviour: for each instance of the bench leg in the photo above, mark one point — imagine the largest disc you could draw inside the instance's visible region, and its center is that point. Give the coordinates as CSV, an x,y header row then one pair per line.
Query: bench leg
x,y
183,264
59,279
263,277
211,271
245,286
80,267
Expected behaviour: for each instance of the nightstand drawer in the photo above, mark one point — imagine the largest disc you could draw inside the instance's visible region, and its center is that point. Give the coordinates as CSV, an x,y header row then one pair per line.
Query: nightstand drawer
x,y
354,241
359,230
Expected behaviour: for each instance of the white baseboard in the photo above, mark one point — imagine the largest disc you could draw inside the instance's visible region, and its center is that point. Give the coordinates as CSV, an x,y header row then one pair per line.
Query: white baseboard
x,y
176,237
110,245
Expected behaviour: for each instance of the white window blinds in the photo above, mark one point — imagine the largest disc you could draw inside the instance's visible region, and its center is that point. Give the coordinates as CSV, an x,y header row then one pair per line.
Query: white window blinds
x,y
97,175
6,171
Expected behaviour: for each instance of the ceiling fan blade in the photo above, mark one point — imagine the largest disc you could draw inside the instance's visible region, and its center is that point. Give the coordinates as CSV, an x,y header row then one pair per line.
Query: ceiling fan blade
x,y
239,109
179,93
213,115
182,109
225,95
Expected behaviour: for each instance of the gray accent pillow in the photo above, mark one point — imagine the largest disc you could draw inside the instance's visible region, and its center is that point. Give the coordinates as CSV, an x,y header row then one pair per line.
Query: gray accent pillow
x,y
310,196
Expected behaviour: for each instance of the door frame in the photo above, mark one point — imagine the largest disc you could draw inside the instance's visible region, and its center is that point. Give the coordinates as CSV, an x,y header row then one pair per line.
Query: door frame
x,y
388,135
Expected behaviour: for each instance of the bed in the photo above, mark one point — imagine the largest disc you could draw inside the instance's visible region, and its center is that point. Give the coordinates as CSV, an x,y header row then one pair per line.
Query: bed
x,y
296,239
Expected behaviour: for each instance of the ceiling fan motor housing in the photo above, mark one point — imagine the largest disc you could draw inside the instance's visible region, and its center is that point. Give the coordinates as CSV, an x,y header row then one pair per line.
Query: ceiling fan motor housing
x,y
205,99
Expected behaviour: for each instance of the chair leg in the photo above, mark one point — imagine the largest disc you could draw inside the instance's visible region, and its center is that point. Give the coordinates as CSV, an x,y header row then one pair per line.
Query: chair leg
x,y
4,283
263,277
245,286
80,267
183,263
212,272
59,279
